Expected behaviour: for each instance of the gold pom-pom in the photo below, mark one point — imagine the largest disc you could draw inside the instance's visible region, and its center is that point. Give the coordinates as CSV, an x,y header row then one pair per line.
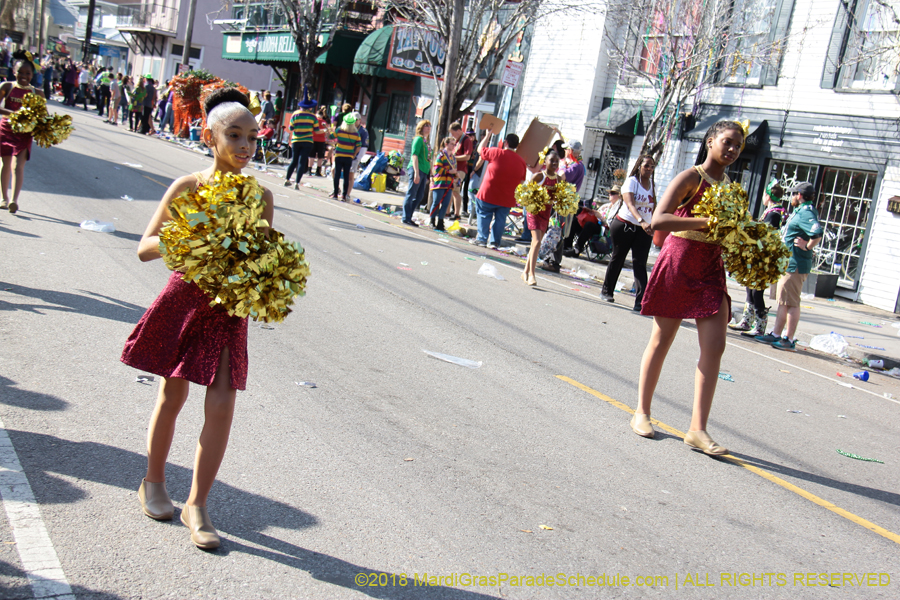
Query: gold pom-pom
x,y
533,197
53,130
565,198
46,129
214,238
753,252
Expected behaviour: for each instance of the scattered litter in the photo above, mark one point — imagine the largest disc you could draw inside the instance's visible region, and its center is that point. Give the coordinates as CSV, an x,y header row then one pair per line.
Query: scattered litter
x,y
404,268
547,527
869,324
409,459
334,228
857,457
861,375
283,195
725,377
382,251
307,384
127,197
404,265
463,362
583,285
143,379
526,531
839,374
489,270
265,326
352,275
846,385
471,258
127,164
99,226
424,263
888,395
581,274
870,347
665,492
807,296
895,372
358,226
842,416
117,168
357,253
783,371
875,363
796,411
831,343
858,337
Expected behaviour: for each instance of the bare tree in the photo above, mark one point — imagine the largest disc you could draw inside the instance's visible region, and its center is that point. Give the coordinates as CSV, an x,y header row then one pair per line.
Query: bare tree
x,y
667,51
487,31
306,19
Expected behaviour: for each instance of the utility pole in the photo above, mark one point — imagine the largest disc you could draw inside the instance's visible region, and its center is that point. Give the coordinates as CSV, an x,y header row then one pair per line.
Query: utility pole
x,y
188,34
448,92
88,30
40,44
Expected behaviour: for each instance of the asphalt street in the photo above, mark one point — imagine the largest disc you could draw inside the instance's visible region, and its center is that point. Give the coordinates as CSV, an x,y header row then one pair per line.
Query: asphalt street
x,y
397,465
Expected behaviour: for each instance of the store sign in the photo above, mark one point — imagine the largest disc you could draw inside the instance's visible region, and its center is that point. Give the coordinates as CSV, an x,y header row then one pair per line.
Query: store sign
x,y
417,51
511,73
830,137
277,46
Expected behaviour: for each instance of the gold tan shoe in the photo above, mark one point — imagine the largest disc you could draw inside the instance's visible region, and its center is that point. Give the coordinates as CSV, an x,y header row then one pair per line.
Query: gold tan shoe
x,y
531,281
155,500
640,424
700,440
203,534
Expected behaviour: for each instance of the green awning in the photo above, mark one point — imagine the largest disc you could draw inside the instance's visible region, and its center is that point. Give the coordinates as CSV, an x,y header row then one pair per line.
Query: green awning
x,y
372,55
342,50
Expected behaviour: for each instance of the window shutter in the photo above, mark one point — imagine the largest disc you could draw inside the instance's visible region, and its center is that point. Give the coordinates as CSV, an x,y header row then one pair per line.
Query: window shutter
x,y
836,44
782,24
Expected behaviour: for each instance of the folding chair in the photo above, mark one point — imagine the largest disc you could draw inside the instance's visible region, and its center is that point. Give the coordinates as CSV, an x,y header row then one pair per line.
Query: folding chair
x,y
515,222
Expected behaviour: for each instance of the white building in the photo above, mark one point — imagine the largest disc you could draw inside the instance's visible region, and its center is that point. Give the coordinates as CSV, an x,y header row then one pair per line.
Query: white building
x,y
825,114
155,32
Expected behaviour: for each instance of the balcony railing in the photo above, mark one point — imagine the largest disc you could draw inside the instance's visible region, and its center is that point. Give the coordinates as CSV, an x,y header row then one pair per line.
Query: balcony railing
x,y
154,17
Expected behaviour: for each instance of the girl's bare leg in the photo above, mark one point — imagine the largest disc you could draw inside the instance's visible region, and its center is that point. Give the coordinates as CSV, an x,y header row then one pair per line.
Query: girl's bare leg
x,y
18,175
173,393
5,176
536,236
661,339
711,333
219,411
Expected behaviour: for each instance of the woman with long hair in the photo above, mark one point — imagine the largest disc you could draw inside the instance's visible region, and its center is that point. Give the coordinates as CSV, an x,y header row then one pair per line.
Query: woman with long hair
x,y
631,231
419,169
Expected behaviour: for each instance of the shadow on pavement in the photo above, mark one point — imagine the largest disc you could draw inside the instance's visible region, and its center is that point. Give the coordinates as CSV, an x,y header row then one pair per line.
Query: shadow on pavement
x,y
891,498
115,310
14,584
13,396
19,233
242,516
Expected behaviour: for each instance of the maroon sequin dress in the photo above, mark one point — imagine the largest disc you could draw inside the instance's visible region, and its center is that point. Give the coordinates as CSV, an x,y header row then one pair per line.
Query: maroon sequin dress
x,y
181,335
12,143
541,221
688,278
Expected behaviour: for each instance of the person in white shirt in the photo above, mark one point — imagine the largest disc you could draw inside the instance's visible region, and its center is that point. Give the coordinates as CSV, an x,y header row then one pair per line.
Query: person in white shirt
x,y
630,230
84,82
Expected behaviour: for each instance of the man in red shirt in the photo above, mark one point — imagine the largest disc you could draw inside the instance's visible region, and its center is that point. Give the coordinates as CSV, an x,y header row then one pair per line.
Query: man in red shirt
x,y
504,171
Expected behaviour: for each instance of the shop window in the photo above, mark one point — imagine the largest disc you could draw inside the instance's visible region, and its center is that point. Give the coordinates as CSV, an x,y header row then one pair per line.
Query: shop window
x,y
863,50
398,114
844,202
754,50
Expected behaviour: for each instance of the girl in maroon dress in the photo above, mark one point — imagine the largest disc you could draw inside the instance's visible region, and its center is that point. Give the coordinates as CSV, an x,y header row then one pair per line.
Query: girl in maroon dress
x,y
15,148
183,339
539,223
688,282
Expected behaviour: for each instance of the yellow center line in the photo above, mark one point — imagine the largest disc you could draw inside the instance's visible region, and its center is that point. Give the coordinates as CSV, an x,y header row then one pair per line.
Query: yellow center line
x,y
165,185
753,469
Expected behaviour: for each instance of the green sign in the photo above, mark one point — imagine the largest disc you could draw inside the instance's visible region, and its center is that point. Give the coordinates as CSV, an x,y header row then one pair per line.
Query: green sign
x,y
278,46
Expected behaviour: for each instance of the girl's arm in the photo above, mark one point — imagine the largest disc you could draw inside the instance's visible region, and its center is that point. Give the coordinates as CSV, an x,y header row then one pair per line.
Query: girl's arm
x,y
684,184
148,248
4,90
537,177
269,210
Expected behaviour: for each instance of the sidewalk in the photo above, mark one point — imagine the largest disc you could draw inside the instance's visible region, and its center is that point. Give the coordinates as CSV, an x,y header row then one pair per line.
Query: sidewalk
x,y
873,334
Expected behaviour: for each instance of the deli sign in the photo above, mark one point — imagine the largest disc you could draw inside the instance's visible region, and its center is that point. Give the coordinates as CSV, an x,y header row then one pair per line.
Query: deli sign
x,y
417,51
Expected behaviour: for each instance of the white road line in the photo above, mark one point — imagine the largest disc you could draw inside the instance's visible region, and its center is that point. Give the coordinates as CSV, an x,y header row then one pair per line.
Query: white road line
x,y
39,560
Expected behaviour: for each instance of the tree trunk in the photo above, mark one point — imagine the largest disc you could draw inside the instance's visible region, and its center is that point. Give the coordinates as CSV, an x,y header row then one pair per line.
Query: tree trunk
x,y
448,93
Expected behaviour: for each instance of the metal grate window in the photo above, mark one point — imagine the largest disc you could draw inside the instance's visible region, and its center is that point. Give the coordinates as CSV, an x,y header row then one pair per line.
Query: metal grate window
x,y
845,199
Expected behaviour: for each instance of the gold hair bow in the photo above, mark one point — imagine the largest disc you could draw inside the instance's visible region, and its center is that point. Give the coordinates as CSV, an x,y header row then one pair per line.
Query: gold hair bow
x,y
30,58
543,154
745,127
